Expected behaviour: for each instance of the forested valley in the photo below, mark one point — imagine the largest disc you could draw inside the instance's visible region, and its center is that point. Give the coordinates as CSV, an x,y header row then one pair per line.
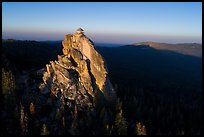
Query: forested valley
x,y
158,92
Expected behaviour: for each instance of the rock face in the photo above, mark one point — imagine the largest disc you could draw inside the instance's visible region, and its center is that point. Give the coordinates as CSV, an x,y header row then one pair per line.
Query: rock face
x,y
78,73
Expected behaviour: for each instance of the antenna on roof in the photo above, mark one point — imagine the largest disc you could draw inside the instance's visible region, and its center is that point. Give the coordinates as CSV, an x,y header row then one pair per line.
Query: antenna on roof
x,y
80,31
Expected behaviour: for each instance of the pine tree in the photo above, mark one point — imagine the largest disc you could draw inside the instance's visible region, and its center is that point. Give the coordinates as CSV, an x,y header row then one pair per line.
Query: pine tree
x,y
26,118
106,124
120,124
98,100
102,112
44,130
9,102
22,115
118,105
140,129
8,83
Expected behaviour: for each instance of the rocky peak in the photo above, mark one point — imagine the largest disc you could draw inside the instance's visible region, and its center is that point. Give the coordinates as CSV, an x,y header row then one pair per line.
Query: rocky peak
x,y
78,73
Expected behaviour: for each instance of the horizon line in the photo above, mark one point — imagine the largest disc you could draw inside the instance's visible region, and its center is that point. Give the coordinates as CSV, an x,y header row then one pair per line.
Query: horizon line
x,y
105,42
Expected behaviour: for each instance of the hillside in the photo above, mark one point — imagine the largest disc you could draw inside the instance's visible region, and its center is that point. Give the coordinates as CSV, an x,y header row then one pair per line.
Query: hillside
x,y
159,88
193,49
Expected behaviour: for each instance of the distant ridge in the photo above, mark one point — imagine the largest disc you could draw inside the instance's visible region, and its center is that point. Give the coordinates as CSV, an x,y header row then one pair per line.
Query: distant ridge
x,y
193,49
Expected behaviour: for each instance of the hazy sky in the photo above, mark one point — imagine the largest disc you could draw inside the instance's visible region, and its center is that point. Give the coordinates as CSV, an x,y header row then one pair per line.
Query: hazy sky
x,y
110,22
